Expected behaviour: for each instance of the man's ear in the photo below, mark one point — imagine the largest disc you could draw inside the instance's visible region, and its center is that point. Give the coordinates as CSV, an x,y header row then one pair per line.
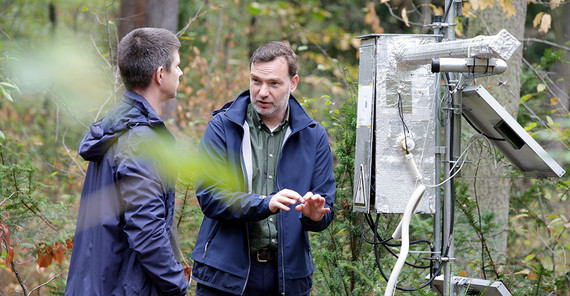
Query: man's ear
x,y
294,82
159,75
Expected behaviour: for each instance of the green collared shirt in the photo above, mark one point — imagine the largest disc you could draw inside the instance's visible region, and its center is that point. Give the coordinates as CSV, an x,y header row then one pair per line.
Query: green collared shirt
x,y
266,148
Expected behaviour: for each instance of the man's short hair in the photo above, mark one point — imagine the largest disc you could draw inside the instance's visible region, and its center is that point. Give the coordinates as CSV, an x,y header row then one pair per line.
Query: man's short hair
x,y
272,50
141,52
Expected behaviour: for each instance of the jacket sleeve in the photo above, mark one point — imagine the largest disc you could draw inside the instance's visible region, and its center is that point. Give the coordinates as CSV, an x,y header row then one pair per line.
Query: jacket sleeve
x,y
322,182
146,212
220,185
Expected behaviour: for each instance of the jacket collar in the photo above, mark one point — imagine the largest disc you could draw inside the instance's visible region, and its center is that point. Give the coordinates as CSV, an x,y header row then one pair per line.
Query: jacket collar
x,y
237,110
150,115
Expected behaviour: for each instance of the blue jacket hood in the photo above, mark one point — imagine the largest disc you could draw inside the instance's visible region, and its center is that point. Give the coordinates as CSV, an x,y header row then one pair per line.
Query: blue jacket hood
x,y
131,111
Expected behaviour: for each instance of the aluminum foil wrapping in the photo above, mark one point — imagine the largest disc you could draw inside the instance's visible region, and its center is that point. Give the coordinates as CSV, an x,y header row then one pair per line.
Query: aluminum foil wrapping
x,y
394,178
503,45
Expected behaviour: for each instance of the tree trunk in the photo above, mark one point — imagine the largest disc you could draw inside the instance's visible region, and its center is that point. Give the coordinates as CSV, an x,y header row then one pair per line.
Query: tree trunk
x,y
148,13
151,13
490,185
561,75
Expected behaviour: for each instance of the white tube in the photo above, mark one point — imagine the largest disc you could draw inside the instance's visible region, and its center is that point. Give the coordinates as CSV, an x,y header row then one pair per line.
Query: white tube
x,y
405,239
418,177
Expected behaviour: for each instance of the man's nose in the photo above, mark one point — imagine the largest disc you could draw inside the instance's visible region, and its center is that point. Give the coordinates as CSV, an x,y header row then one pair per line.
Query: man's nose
x,y
264,90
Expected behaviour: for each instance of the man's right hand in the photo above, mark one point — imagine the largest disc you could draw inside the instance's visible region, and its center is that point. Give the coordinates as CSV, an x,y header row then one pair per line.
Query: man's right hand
x,y
283,199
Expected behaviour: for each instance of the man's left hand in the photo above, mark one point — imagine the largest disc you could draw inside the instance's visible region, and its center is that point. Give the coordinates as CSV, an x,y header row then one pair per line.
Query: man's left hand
x,y
313,206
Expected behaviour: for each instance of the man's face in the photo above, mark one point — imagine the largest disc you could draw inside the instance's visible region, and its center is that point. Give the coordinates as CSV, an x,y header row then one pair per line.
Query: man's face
x,y
270,87
172,76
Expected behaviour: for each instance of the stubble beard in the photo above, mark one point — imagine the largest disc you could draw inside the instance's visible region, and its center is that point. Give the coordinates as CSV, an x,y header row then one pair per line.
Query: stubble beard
x,y
276,108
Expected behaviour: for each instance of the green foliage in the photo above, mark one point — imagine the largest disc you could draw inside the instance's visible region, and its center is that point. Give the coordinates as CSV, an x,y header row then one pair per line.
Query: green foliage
x,y
343,265
34,208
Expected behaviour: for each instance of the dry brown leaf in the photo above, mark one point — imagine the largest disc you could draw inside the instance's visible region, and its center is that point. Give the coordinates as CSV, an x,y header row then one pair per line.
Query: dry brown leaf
x,y
532,276
44,259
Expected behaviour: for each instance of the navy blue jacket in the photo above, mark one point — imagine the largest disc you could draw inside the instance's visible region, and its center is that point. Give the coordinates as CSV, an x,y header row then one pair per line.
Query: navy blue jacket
x,y
122,238
221,254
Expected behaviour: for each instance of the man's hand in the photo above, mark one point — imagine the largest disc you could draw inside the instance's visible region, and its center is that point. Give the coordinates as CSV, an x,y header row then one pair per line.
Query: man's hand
x,y
283,199
313,206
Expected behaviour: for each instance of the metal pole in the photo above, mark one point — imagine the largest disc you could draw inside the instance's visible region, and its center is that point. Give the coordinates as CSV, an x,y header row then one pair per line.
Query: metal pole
x,y
438,153
448,189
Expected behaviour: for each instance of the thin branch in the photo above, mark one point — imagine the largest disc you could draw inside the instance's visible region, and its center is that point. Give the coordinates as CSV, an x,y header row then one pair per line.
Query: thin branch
x,y
17,273
179,33
553,44
400,18
71,156
108,32
53,278
544,82
46,221
548,230
59,102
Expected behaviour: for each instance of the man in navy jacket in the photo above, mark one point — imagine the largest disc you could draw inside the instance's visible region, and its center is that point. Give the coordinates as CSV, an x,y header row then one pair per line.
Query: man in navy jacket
x,y
122,240
269,180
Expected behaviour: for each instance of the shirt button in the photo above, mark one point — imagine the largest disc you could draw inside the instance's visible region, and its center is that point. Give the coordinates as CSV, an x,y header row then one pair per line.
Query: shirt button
x,y
270,219
271,155
273,240
270,176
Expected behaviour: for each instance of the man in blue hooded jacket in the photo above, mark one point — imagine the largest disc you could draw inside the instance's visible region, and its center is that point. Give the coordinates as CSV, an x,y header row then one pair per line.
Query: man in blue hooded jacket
x,y
123,235
269,180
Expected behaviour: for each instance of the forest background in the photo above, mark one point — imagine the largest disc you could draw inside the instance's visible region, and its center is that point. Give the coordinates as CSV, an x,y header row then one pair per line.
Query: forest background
x,y
58,74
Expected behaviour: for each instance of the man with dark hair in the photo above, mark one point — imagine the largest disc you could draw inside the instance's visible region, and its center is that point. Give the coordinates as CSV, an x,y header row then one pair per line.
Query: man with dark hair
x,y
275,183
125,224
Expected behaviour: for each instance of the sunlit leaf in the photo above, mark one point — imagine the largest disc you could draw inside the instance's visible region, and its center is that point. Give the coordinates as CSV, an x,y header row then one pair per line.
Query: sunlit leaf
x,y
554,101
526,97
540,87
7,95
436,10
529,257
530,126
484,4
474,4
254,8
405,17
524,271
508,7
555,3
545,23
537,19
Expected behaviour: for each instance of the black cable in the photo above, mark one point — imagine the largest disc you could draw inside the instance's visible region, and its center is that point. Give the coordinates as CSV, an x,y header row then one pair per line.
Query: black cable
x,y
404,126
480,132
385,241
428,282
378,240
444,18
